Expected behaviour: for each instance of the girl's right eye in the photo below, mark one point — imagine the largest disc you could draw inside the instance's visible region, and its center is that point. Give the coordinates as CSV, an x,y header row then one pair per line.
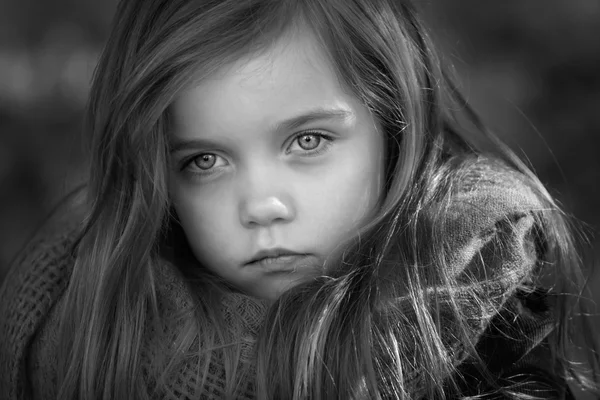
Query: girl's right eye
x,y
204,163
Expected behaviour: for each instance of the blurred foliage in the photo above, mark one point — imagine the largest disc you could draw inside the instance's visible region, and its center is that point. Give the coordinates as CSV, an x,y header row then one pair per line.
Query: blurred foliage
x,y
531,68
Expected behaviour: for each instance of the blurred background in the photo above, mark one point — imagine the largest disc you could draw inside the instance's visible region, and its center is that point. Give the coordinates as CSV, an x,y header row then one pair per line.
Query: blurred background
x,y
530,68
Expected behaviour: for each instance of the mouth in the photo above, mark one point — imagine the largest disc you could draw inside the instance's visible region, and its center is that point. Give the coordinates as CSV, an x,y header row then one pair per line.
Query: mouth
x,y
278,260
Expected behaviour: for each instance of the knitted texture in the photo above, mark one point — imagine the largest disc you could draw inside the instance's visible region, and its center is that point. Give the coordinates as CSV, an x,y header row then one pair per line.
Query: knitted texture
x,y
490,226
30,290
242,314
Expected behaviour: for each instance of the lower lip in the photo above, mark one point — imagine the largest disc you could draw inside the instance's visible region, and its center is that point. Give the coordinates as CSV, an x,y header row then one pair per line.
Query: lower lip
x,y
289,263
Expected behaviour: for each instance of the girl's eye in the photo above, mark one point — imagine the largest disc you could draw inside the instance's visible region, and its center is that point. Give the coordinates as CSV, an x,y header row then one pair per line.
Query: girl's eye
x,y
310,143
204,164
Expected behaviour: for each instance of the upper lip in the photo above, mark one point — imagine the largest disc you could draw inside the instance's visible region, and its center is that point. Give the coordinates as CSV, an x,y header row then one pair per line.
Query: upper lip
x,y
271,253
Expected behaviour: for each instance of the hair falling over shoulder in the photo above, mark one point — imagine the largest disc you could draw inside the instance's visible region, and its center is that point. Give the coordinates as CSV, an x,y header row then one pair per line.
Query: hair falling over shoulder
x,y
340,337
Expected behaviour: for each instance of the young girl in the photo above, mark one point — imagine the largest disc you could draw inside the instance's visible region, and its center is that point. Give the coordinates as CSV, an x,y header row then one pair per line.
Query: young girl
x,y
289,199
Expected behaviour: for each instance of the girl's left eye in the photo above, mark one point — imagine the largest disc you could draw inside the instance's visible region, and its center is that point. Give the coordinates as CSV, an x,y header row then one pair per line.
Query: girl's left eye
x,y
309,143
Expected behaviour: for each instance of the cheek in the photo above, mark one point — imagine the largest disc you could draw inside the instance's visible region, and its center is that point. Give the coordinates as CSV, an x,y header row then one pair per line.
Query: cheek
x,y
202,215
346,192
355,191
361,176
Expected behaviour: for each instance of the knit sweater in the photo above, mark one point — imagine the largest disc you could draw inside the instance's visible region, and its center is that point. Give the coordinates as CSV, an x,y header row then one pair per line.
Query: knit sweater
x,y
493,240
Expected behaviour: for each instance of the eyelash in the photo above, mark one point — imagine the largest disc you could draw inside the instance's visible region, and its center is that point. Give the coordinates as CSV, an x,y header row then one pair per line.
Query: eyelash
x,y
322,147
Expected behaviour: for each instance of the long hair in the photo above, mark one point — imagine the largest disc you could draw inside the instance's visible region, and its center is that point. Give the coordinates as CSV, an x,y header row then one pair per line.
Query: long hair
x,y
382,53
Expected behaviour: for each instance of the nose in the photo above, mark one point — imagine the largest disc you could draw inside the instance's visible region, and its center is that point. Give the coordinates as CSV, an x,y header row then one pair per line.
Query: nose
x,y
266,211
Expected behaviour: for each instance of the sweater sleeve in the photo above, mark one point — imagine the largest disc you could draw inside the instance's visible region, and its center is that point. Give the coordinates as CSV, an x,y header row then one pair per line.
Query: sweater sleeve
x,y
29,293
28,296
493,245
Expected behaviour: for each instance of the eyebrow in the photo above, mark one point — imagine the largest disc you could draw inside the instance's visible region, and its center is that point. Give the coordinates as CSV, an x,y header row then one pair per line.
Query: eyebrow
x,y
318,114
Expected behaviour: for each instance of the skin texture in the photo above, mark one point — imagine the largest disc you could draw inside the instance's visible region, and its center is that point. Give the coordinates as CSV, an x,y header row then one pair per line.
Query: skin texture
x,y
243,180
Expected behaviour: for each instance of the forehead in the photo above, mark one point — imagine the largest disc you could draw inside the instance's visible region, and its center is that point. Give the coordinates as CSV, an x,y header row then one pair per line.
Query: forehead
x,y
292,76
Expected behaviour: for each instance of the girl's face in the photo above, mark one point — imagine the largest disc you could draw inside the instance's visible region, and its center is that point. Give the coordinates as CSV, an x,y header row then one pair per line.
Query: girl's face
x,y
274,165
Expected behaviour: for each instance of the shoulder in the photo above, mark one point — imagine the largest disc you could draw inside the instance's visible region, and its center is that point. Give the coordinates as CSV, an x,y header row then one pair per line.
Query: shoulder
x,y
495,227
489,189
31,289
483,192
489,219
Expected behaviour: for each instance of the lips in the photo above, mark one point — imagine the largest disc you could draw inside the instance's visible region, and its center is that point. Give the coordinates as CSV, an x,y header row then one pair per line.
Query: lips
x,y
289,263
279,260
272,253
